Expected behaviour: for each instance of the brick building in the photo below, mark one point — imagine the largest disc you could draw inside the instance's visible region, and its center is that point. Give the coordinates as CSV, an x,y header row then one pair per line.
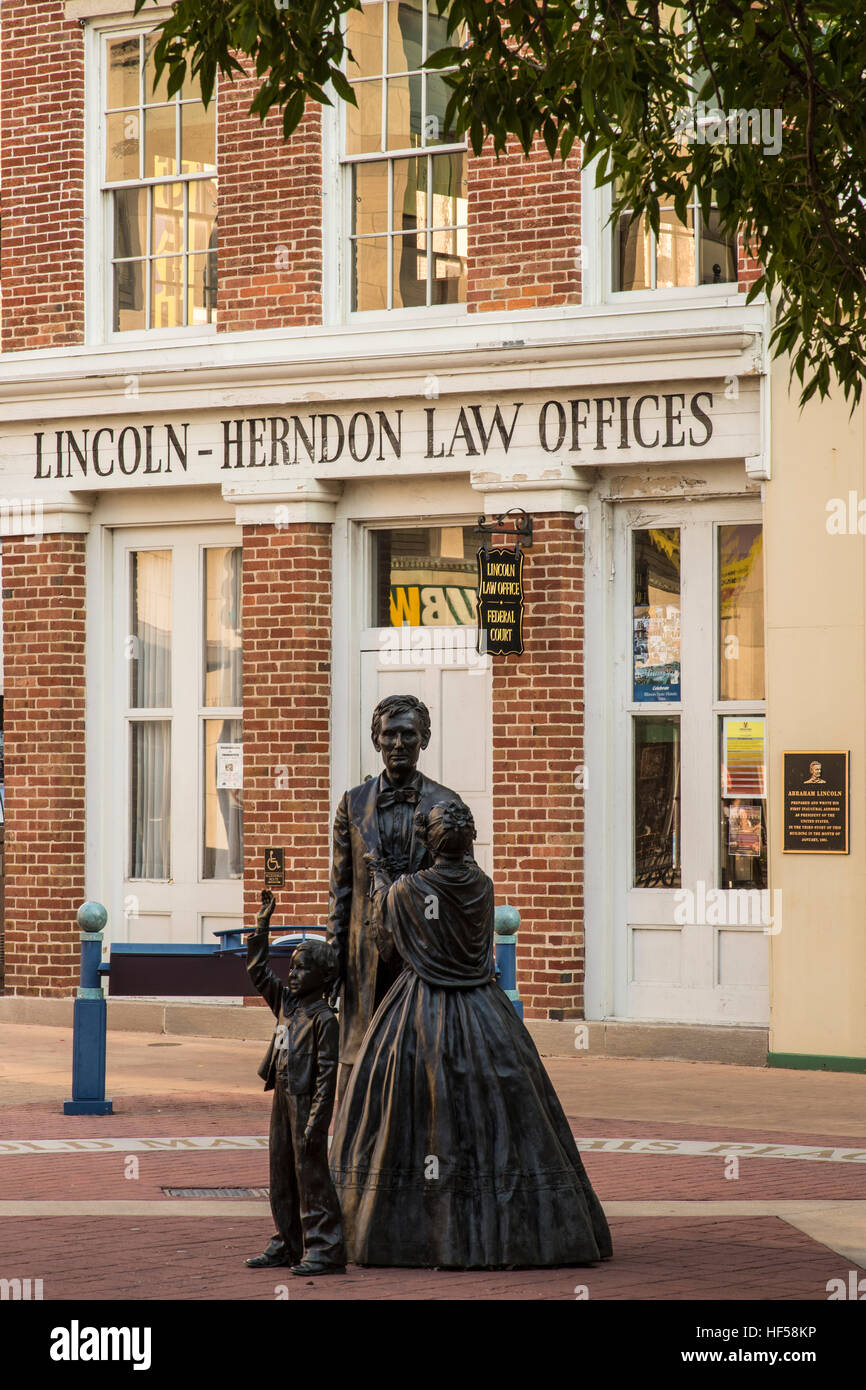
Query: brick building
x,y
242,474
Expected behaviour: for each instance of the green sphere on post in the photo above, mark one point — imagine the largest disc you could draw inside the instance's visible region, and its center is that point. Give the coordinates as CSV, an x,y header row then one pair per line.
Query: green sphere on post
x,y
506,920
91,917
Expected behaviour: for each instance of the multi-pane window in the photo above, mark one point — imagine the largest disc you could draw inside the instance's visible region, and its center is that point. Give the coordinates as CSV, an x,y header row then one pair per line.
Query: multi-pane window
x,y
657,680
168,635
222,717
150,698
740,614
405,169
694,252
160,187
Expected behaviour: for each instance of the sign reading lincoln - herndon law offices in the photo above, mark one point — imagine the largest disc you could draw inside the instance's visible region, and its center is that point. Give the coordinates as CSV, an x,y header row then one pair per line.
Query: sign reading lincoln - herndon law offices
x,y
500,602
816,803
128,447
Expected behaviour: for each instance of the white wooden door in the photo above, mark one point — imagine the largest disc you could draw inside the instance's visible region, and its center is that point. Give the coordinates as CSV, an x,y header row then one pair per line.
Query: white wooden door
x,y
443,670
176,828
686,949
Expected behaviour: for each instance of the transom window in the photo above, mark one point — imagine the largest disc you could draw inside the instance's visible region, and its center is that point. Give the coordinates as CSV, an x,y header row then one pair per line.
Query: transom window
x,y
405,171
160,190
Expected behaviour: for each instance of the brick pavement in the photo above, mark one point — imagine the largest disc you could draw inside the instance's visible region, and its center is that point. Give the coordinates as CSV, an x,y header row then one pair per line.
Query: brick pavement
x,y
123,1258
694,1256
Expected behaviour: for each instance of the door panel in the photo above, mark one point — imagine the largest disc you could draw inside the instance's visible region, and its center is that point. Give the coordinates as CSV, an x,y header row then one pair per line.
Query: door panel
x,y
180,905
458,694
675,957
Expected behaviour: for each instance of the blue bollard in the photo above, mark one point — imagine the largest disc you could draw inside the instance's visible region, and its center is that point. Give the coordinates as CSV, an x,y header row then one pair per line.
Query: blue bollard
x,y
89,1021
506,921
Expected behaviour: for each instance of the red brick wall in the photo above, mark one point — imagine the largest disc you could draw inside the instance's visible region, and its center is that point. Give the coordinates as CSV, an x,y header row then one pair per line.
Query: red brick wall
x,y
270,216
41,175
43,625
748,266
287,681
537,746
524,230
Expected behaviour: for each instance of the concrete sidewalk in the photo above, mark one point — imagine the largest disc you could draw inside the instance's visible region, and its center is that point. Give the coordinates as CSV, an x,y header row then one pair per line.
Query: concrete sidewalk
x,y
718,1181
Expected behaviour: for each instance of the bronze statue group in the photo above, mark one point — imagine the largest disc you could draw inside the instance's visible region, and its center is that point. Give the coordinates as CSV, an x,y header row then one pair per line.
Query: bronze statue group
x,y
450,1147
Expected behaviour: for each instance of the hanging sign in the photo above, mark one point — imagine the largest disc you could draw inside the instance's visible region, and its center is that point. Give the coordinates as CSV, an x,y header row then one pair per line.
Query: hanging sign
x,y
816,803
500,602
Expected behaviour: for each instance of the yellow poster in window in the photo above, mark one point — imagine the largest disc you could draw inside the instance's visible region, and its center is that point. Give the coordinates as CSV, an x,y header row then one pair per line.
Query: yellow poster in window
x,y
743,771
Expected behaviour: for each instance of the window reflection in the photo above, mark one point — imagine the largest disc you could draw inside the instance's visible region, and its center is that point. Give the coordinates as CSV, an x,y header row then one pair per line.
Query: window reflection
x,y
741,613
222,655
223,828
426,576
657,802
150,642
656,616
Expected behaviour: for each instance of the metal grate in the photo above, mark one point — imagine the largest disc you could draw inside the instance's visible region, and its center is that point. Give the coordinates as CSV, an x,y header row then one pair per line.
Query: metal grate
x,y
215,1192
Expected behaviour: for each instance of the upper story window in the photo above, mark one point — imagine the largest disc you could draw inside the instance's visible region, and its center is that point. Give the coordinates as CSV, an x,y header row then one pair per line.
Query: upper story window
x,y
160,194
405,172
695,252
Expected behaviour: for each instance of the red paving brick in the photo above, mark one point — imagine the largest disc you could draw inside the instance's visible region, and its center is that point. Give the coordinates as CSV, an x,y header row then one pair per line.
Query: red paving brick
x,y
182,1258
188,1259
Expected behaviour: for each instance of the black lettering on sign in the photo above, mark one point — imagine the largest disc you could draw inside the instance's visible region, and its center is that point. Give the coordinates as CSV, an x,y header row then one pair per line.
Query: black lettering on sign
x,y
500,602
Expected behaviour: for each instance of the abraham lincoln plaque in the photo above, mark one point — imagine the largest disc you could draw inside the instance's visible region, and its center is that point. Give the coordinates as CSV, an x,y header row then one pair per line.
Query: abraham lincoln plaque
x,y
816,803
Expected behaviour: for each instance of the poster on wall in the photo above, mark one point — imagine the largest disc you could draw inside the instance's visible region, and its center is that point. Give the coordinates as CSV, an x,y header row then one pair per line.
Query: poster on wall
x,y
744,829
815,789
743,771
656,648
230,766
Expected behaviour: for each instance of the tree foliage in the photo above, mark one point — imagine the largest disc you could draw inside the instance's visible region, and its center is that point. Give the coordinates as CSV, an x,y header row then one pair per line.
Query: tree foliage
x,y
619,78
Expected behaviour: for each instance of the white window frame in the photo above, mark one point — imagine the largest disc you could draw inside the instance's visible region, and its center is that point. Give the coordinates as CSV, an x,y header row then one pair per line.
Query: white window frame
x,y
337,240
98,227
186,898
631,907
597,238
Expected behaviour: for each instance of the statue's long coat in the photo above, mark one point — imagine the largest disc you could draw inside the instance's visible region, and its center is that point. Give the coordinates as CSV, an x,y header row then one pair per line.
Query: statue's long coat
x,y
356,833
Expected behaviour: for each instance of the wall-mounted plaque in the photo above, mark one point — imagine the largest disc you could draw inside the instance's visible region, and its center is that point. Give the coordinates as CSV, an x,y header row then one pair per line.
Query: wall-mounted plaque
x,y
816,803
500,602
275,868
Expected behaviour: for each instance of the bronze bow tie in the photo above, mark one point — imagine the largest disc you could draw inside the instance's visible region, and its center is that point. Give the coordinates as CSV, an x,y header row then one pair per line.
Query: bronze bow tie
x,y
393,796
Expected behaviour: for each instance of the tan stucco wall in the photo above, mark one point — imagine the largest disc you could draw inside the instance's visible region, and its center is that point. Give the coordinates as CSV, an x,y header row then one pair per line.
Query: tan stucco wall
x,y
816,699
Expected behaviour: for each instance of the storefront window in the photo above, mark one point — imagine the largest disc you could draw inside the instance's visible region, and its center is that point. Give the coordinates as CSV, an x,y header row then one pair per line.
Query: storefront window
x,y
222,621
657,802
150,799
426,577
149,644
741,613
222,808
656,616
223,847
743,827
149,654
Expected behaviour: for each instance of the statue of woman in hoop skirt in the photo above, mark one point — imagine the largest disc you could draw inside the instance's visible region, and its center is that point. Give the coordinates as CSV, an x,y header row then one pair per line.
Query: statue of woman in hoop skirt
x,y
451,1148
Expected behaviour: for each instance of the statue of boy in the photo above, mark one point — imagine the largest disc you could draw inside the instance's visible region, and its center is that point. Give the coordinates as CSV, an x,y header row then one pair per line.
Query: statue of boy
x,y
300,1067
